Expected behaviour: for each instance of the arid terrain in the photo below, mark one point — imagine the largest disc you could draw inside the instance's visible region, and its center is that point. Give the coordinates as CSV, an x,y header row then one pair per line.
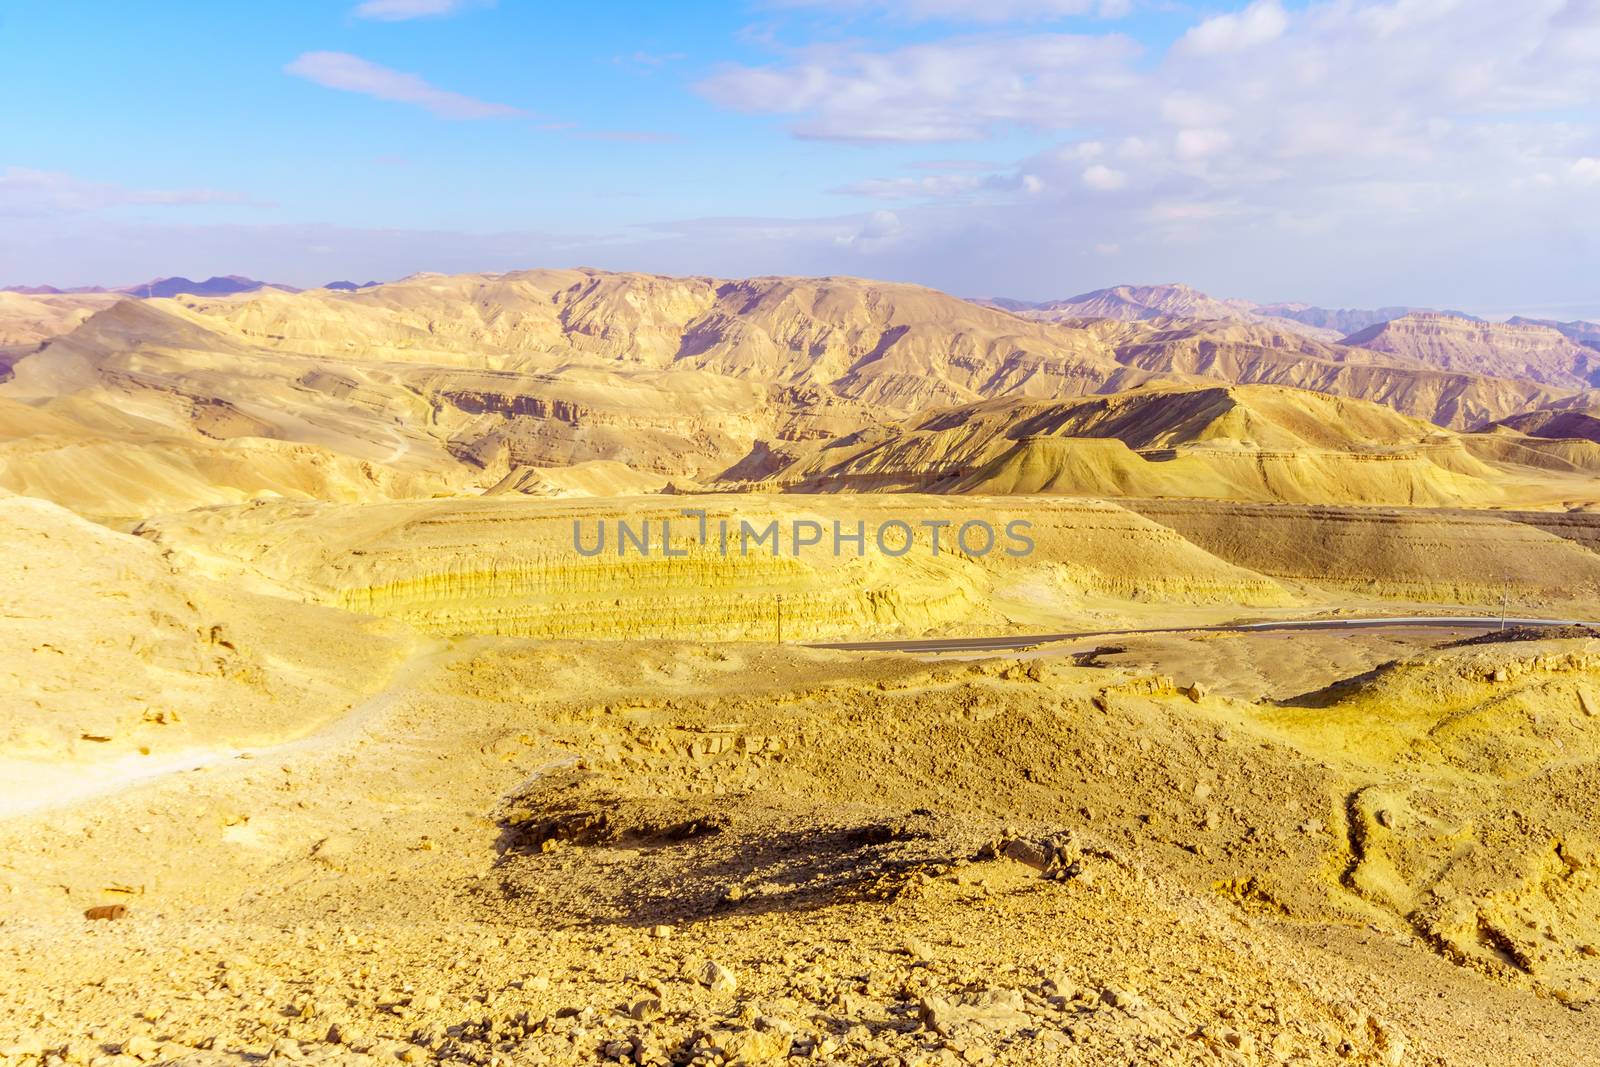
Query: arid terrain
x,y
331,736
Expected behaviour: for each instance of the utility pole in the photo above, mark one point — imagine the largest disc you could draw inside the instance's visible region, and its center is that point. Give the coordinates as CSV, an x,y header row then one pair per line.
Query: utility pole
x,y
1505,598
780,618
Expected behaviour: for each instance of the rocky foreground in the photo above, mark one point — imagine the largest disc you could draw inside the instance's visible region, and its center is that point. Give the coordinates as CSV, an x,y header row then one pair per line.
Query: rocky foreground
x,y
528,853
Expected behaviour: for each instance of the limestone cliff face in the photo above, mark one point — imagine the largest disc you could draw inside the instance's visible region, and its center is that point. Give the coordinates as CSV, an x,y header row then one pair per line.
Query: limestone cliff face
x,y
507,565
1512,350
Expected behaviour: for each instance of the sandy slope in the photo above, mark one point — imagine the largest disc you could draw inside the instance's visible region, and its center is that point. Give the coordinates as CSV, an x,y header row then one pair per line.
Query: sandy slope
x,y
111,657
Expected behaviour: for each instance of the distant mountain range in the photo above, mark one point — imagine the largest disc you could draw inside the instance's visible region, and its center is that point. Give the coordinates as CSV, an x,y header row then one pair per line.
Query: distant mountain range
x,y
1581,331
216,285
1141,303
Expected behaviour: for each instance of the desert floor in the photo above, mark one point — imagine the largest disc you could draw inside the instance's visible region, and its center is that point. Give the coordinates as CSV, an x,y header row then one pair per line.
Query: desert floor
x,y
1311,848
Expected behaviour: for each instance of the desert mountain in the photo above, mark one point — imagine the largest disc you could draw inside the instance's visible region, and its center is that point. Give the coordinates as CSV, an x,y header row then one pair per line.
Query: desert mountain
x,y
1142,303
29,318
837,341
217,285
223,285
1578,420
50,290
1579,330
1515,350
1247,442
442,383
1242,352
1342,321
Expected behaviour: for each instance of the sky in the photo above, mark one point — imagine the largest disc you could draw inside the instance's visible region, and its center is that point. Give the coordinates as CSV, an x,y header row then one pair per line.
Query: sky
x,y
1340,152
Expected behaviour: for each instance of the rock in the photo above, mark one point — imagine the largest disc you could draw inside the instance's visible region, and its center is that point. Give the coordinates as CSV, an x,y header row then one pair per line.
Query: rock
x,y
661,930
646,1009
80,1051
1062,986
284,1049
1499,675
1026,852
1196,692
1125,999
774,1024
345,1033
718,978
754,1046
999,1010
1390,1042
142,1047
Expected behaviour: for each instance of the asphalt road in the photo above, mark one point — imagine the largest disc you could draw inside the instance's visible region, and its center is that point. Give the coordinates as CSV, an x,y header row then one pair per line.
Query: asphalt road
x,y
1015,641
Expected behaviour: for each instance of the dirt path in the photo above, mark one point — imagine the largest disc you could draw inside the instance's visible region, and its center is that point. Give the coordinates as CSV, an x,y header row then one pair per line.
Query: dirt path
x,y
33,788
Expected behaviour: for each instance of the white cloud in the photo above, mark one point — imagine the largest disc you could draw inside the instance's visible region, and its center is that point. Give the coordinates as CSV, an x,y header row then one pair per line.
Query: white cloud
x,y
943,186
1261,22
28,192
952,90
1185,108
880,228
1388,100
1198,144
352,74
1103,178
984,11
1415,151
908,188
404,10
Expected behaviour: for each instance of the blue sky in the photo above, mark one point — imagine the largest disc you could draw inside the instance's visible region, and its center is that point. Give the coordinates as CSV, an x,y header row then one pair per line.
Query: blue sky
x,y
1443,152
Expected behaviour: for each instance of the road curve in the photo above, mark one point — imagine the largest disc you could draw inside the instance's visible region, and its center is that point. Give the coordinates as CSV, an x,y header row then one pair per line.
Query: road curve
x,y
1016,641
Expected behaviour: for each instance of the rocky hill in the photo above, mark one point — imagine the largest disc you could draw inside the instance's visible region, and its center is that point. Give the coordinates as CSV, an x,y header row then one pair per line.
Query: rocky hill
x,y
1512,350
